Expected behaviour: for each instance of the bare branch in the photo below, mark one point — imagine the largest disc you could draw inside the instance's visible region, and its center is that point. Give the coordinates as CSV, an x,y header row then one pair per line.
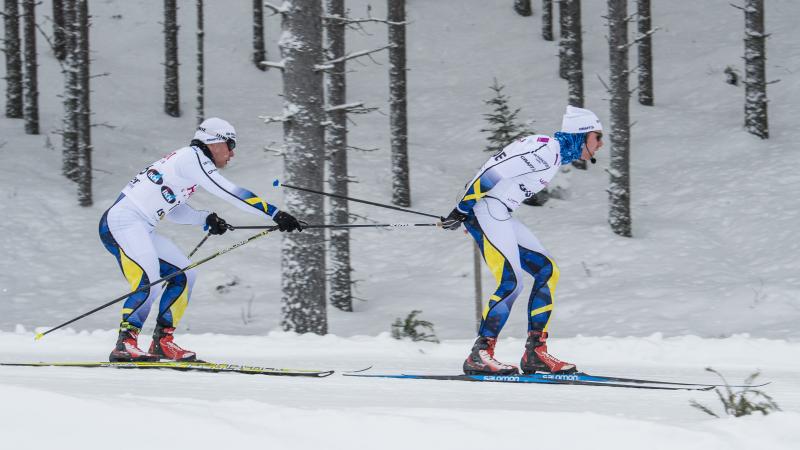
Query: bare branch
x,y
361,149
273,119
275,9
350,21
604,83
278,65
345,106
736,6
330,64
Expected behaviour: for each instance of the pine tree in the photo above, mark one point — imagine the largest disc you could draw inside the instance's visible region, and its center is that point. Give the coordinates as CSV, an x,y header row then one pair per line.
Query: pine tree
x,y
503,124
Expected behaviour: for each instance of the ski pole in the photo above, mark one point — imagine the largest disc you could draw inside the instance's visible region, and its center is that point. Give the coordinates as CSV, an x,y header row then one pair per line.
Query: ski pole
x,y
380,225
277,183
148,286
199,245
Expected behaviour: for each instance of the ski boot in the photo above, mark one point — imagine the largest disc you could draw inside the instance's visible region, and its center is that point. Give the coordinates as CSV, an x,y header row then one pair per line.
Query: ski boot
x,y
164,347
127,349
481,360
536,357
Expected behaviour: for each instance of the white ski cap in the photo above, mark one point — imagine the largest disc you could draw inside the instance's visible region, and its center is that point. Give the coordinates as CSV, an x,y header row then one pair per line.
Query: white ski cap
x,y
213,130
579,120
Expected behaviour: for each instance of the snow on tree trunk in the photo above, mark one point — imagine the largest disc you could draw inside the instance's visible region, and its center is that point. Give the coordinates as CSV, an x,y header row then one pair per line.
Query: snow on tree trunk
x,y
200,55
619,191
30,81
259,51
573,46
71,93
398,120
84,120
755,56
340,286
303,256
171,93
523,7
13,61
547,20
563,16
645,47
59,45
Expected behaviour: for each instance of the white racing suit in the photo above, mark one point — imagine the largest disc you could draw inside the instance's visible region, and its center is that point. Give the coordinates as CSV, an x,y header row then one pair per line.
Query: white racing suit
x,y
127,230
521,169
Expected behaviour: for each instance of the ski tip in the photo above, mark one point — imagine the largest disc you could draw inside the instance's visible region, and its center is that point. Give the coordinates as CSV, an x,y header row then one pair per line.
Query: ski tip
x,y
38,336
276,183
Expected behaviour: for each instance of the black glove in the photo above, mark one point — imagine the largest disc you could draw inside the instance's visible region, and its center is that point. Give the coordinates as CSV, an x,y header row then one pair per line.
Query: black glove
x,y
453,220
215,224
287,222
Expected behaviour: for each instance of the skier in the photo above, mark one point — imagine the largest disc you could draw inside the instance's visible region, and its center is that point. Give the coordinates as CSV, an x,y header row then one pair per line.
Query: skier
x,y
521,169
161,191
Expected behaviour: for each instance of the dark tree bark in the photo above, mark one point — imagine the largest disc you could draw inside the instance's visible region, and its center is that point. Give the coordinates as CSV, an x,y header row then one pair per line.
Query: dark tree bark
x,y
171,93
340,287
574,53
547,20
302,259
523,7
13,61
755,57
84,110
563,16
200,66
71,92
645,47
398,119
59,45
619,191
30,81
259,51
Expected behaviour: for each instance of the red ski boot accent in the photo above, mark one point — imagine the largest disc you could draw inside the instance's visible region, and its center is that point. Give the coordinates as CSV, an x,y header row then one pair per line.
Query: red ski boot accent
x,y
536,358
481,360
164,347
127,349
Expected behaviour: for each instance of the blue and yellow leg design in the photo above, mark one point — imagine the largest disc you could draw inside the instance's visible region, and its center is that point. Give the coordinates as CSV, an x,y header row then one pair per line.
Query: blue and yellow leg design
x,y
497,309
540,303
135,275
175,297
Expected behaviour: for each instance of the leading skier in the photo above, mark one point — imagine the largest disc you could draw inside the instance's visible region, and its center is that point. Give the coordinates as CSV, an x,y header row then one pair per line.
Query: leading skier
x,y
161,191
520,170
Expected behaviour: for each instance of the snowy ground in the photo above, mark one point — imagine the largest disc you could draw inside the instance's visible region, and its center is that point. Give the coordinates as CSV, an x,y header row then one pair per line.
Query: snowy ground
x,y
94,408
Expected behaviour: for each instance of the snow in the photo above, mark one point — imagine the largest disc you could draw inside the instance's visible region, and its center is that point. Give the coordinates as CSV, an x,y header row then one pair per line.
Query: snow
x,y
710,277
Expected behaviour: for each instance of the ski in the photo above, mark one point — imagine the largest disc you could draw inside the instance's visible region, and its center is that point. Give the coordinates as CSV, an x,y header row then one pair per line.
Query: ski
x,y
579,378
199,366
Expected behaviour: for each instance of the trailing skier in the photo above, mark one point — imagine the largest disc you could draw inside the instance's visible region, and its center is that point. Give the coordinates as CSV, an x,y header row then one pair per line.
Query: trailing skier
x,y
517,172
127,230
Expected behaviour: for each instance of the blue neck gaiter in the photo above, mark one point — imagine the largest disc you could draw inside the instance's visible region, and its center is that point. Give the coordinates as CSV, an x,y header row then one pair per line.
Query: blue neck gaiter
x,y
571,145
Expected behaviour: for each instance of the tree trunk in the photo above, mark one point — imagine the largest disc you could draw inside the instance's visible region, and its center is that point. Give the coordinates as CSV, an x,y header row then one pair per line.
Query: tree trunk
x,y
563,16
59,44
171,93
645,47
340,287
30,82
302,259
259,51
523,7
398,120
755,56
13,61
84,119
619,191
200,66
71,93
547,20
573,44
